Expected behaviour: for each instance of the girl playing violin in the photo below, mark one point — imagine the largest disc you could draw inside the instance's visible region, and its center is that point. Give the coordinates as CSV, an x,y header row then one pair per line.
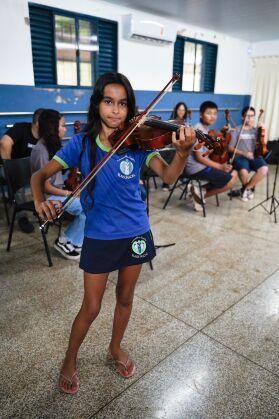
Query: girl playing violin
x,y
117,229
244,150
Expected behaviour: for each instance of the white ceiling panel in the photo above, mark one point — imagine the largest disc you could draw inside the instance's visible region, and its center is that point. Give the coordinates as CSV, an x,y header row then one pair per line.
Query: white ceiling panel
x,y
252,20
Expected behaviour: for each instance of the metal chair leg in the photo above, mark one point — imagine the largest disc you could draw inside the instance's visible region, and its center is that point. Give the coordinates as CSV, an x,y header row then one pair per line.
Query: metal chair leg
x,y
170,194
11,230
44,232
184,192
46,248
217,200
267,185
202,203
155,183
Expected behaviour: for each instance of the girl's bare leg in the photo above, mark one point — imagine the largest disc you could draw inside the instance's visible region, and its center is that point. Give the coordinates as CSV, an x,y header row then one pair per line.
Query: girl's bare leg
x,y
94,288
127,280
257,177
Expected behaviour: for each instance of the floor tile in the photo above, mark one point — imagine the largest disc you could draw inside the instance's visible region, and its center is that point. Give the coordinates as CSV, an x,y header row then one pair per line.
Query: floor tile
x,y
202,379
251,326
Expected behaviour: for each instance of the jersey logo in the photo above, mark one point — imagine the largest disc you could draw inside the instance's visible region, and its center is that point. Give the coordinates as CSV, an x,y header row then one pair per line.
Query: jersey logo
x,y
126,167
139,245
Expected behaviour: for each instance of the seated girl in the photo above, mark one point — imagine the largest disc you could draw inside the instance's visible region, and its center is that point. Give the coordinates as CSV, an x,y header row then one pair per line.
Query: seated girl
x,y
179,113
51,131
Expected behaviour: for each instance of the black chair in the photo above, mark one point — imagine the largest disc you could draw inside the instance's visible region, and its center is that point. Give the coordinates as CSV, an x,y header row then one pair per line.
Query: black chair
x,y
182,183
147,174
18,174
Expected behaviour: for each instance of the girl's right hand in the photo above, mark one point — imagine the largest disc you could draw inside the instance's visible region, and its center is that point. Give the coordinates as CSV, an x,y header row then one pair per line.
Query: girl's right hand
x,y
47,209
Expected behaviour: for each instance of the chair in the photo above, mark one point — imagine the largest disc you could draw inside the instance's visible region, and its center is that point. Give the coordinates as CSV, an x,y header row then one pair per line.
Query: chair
x,y
146,175
18,174
183,182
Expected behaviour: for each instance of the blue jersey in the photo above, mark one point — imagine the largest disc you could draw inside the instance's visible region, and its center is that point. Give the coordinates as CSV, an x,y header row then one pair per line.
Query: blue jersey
x,y
117,210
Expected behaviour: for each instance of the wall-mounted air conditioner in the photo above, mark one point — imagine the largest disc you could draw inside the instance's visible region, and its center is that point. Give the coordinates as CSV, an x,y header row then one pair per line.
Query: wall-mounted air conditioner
x,y
149,29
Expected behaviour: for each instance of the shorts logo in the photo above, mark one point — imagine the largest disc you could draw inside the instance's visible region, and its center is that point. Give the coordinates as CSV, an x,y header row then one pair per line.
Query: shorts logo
x,y
139,245
126,167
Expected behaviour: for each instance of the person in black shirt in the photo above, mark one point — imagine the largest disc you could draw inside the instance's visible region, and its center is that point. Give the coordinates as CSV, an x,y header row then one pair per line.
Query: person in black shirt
x,y
19,140
17,143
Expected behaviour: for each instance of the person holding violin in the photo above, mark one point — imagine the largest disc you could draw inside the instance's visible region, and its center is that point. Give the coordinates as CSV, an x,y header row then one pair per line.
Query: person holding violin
x,y
51,131
117,229
179,113
244,146
179,116
219,176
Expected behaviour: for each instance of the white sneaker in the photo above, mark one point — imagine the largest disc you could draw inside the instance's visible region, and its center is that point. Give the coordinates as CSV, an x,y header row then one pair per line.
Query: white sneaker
x,y
77,248
197,207
250,194
244,195
198,195
66,249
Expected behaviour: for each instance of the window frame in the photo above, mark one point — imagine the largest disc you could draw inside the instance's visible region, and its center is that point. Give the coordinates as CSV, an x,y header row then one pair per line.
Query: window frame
x,y
197,41
94,20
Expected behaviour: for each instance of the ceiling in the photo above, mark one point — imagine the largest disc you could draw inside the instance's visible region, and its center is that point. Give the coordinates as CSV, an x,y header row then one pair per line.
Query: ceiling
x,y
252,20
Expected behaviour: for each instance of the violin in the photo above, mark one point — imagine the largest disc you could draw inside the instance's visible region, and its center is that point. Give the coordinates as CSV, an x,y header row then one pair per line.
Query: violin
x,y
155,134
261,147
74,177
225,137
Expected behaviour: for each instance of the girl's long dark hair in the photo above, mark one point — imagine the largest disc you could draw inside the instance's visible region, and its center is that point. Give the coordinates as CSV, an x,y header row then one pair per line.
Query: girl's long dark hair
x,y
174,112
93,126
49,130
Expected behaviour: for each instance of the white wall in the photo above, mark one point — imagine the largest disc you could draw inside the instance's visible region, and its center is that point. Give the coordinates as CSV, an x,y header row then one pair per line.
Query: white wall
x,y
266,48
15,44
148,66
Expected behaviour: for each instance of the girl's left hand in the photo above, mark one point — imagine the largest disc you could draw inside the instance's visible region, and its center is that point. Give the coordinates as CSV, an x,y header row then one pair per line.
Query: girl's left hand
x,y
186,140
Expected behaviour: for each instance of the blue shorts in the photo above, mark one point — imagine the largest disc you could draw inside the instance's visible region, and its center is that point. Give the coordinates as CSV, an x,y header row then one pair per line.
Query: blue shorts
x,y
102,256
216,178
242,162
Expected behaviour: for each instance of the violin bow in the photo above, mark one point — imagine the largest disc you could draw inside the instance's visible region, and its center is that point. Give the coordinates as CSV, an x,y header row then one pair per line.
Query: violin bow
x,y
138,121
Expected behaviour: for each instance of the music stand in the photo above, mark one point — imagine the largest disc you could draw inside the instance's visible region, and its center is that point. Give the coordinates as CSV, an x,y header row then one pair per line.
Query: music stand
x,y
274,201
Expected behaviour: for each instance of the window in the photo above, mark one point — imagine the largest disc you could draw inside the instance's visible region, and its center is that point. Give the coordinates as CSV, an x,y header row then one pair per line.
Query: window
x,y
71,50
196,62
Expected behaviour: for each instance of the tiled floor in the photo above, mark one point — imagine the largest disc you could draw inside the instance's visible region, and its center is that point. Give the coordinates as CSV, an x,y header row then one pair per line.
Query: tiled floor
x,y
204,330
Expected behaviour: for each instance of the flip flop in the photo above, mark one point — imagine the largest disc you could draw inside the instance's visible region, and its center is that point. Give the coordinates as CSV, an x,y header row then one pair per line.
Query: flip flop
x,y
123,367
73,390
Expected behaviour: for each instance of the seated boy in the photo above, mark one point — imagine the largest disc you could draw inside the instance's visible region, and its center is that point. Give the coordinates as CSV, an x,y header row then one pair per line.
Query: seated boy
x,y
220,177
